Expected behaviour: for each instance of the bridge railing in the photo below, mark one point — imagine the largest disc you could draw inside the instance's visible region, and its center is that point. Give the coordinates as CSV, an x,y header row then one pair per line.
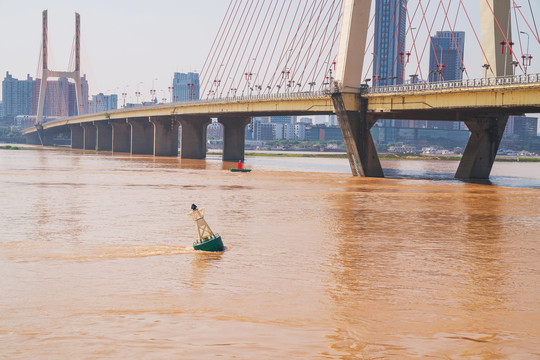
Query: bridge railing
x,y
455,84
277,96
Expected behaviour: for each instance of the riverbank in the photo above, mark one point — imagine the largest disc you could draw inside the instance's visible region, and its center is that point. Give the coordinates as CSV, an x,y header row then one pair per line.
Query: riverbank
x,y
382,156
298,154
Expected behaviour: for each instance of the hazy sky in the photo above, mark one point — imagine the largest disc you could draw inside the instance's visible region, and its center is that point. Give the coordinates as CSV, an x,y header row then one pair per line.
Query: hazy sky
x,y
131,44
123,42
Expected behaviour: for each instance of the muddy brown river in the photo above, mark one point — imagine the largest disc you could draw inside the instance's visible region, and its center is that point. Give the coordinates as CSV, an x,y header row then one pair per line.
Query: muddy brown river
x,y
96,260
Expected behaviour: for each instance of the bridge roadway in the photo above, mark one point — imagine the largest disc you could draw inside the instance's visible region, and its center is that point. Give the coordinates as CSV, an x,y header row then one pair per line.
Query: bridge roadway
x,y
154,129
483,104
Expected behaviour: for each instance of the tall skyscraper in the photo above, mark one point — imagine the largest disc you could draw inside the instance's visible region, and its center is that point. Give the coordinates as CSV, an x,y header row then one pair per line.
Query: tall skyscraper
x,y
389,45
185,86
446,56
17,96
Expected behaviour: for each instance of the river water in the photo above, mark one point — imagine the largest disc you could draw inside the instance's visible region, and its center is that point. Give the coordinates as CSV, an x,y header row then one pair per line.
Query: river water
x,y
96,260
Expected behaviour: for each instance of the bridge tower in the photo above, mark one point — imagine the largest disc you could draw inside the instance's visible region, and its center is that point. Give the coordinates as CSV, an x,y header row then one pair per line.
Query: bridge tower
x,y
351,108
496,32
46,73
355,125
487,128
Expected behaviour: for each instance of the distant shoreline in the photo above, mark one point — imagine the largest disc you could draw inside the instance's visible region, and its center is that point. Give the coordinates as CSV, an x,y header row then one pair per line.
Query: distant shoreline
x,y
382,156
297,154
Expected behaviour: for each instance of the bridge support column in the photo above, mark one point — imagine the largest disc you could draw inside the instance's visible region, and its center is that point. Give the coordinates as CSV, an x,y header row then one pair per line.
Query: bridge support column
x,y
77,136
142,136
193,141
165,136
33,138
355,129
104,136
121,136
480,152
89,136
234,137
45,138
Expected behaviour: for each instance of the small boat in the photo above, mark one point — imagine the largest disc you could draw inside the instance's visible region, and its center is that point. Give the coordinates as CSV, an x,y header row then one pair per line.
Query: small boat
x,y
240,167
206,239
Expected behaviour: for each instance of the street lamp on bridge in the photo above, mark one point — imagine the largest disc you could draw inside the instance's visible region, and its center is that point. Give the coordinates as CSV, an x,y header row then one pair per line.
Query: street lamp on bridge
x,y
526,57
486,67
171,88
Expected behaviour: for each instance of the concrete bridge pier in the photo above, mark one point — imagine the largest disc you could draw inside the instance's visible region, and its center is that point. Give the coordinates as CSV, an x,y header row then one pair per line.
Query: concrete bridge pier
x,y
142,136
480,152
165,136
104,136
33,138
355,129
121,136
77,136
45,138
193,141
234,137
89,136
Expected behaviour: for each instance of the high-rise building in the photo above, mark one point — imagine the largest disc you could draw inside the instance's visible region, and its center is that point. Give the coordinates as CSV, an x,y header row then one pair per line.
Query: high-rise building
x,y
446,56
389,45
266,131
283,119
521,126
101,102
214,131
60,99
300,131
284,131
20,97
17,96
185,86
256,127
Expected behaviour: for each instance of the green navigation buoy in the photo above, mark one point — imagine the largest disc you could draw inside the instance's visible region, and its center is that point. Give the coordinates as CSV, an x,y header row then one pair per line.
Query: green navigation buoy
x,y
206,239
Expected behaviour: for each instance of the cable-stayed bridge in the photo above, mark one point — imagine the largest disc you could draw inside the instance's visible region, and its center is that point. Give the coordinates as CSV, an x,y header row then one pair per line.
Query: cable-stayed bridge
x,y
348,57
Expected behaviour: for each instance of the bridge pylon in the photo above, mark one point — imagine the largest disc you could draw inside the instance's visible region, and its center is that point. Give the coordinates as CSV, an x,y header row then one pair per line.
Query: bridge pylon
x,y
352,45
46,73
349,107
355,121
496,31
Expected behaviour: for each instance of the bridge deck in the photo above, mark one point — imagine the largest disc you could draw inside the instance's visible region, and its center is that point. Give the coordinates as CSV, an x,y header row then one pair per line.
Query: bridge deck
x,y
513,95
286,104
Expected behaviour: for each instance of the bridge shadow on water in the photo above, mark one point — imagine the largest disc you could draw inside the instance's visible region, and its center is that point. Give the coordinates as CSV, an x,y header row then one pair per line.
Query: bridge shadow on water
x,y
164,162
392,170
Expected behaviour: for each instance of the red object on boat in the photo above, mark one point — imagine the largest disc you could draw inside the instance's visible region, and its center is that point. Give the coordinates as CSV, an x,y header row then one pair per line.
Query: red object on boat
x,y
239,165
